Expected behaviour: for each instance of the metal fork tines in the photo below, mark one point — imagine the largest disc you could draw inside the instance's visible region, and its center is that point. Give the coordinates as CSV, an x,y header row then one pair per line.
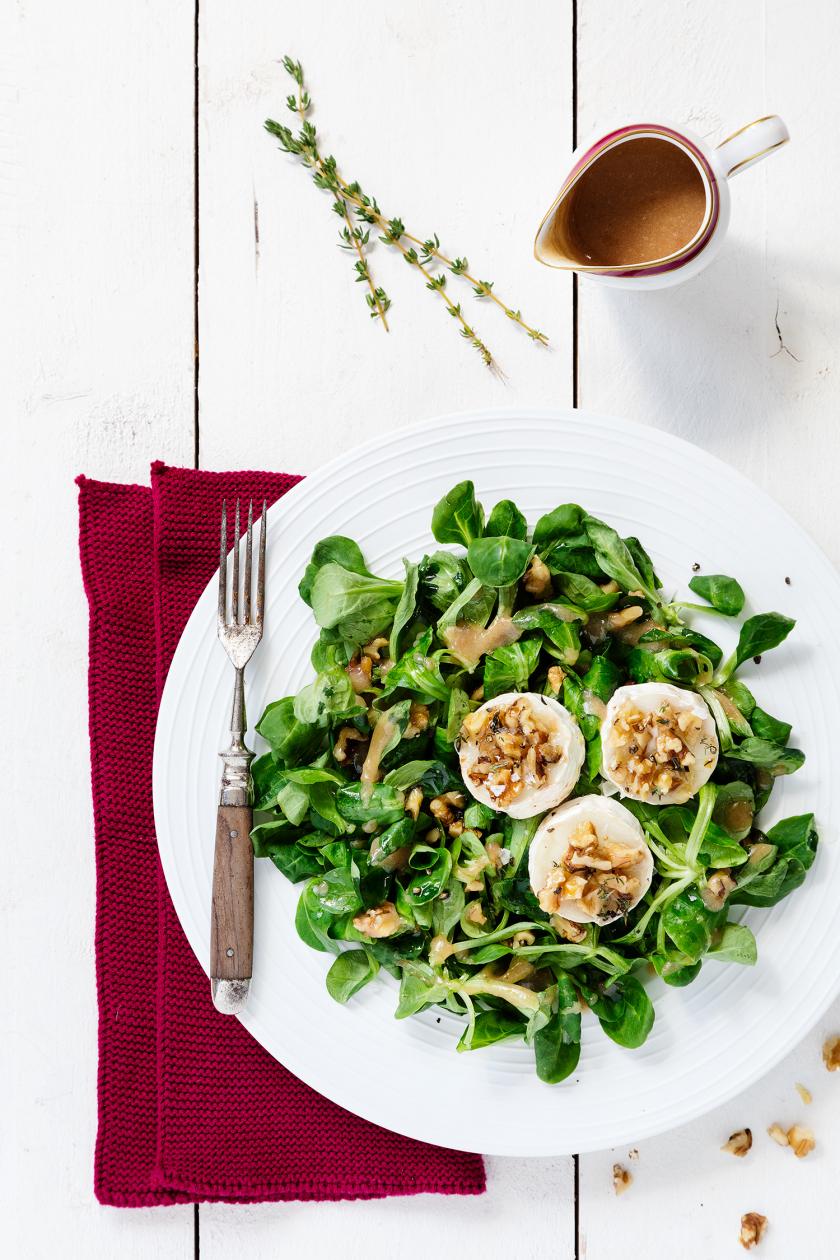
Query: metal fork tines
x,y
240,632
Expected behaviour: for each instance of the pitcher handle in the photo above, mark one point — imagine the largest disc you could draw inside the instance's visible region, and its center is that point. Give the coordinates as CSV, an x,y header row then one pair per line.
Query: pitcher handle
x,y
750,144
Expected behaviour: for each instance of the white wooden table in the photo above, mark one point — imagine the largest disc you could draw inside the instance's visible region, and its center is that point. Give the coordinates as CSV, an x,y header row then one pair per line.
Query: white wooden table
x,y
133,174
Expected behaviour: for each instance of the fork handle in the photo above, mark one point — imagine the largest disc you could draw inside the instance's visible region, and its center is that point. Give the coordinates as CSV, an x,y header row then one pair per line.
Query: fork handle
x,y
232,920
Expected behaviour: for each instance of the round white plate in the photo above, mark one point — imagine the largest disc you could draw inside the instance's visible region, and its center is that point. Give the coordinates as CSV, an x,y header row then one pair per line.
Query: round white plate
x,y
710,1040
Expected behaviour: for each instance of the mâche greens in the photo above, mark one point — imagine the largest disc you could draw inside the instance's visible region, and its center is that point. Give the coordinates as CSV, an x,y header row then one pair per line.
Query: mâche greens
x,y
361,797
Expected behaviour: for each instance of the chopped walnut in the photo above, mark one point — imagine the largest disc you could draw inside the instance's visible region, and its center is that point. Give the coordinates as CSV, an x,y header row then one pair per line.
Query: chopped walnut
x,y
611,587
719,885
556,676
494,853
778,1134
574,932
447,810
374,648
595,871
654,750
347,735
831,1053
514,750
753,1225
418,720
537,579
739,1143
804,1093
478,694
622,1179
413,802
382,920
801,1140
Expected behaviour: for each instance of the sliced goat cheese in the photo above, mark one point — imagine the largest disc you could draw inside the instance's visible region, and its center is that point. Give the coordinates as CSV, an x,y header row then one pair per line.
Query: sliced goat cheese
x,y
589,861
521,753
659,743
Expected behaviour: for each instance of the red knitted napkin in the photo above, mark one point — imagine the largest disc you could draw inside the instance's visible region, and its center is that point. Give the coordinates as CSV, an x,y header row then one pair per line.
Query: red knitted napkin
x,y
190,1107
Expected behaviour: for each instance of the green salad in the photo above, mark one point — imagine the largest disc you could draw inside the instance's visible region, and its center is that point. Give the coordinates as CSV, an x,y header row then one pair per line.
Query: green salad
x,y
520,782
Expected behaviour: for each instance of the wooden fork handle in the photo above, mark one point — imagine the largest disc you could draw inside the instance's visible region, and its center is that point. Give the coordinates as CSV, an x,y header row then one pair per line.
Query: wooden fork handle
x,y
232,921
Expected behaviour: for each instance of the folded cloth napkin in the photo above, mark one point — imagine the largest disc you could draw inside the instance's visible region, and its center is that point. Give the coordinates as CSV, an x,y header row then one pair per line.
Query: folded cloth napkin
x,y
191,1108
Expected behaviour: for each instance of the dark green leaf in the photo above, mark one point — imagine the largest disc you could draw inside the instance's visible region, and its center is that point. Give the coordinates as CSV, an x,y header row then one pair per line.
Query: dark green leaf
x,y
602,678
758,634
458,517
419,987
614,556
384,805
357,605
506,520
582,592
674,968
723,593
563,522
442,578
499,561
767,756
330,695
297,862
624,1011
291,741
557,1045
643,563
769,728
736,944
490,1028
689,924
509,668
405,608
351,971
267,837
333,550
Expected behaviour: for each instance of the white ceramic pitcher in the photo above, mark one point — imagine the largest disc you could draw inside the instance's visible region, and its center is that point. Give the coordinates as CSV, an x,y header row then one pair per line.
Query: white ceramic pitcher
x,y
716,167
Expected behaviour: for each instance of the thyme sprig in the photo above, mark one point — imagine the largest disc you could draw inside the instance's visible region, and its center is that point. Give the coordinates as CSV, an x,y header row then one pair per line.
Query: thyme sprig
x,y
421,253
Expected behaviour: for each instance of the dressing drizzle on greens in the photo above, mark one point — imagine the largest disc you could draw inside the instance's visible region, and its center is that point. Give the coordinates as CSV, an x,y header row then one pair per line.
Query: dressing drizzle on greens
x,y
360,798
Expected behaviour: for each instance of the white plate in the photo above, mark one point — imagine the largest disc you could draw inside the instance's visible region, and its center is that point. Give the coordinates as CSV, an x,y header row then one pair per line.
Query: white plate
x,y
710,1040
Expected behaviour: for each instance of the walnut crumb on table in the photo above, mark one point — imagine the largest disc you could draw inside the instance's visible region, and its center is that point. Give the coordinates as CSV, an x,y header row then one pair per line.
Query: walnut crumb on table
x,y
831,1053
739,1143
799,1138
804,1093
753,1225
622,1179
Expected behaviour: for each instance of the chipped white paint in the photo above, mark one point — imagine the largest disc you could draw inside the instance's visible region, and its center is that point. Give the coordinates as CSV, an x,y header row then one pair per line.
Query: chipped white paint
x,y
458,117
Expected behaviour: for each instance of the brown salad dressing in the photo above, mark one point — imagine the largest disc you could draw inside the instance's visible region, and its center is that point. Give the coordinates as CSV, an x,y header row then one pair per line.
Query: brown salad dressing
x,y
638,202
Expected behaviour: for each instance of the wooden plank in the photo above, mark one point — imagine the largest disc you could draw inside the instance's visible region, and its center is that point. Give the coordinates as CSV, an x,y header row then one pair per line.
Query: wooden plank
x,y
96,212
705,360
432,112
714,362
527,1211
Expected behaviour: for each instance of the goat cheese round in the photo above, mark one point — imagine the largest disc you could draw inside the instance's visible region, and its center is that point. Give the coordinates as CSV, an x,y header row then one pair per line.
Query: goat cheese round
x,y
659,743
521,753
589,861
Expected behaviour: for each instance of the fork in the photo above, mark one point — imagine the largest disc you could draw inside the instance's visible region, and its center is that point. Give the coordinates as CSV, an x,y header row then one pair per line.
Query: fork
x,y
232,923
